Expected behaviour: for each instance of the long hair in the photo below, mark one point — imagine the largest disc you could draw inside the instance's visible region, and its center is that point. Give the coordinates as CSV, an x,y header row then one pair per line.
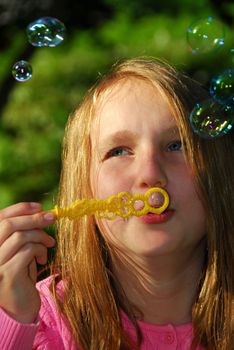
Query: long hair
x,y
93,297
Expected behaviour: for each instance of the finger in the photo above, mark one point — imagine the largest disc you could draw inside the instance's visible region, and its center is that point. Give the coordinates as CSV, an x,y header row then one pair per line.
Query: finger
x,y
23,223
32,271
20,262
18,209
18,239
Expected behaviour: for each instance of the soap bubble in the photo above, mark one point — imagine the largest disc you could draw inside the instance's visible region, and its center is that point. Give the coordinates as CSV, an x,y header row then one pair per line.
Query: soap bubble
x,y
22,71
222,86
138,204
156,199
211,119
46,31
205,35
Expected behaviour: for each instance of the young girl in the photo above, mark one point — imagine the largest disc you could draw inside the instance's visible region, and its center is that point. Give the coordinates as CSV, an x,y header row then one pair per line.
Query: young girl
x,y
158,281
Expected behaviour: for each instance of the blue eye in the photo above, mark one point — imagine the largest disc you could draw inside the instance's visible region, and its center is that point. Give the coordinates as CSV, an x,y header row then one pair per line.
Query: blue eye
x,y
116,152
175,146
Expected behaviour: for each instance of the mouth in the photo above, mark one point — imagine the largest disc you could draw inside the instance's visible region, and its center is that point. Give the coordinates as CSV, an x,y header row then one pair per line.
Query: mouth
x,y
152,218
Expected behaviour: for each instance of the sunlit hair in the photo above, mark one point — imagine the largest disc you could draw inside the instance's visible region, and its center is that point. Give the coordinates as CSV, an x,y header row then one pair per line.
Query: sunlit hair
x,y
92,297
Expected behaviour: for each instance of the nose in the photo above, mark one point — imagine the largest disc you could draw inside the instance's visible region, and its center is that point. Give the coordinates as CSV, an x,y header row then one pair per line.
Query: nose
x,y
150,172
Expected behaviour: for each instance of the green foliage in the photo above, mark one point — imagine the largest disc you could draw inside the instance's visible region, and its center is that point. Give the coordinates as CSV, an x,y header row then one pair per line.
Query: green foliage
x,y
150,35
16,44
34,118
138,8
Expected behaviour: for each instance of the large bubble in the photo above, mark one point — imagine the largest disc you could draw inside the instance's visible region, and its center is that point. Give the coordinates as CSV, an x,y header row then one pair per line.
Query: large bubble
x,y
46,31
222,86
22,71
211,119
205,35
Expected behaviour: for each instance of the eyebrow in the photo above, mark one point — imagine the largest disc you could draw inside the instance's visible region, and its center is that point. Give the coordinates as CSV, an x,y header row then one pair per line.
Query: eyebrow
x,y
118,138
121,136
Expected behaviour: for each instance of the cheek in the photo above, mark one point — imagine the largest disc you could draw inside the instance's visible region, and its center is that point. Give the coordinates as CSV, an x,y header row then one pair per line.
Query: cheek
x,y
106,181
183,187
189,200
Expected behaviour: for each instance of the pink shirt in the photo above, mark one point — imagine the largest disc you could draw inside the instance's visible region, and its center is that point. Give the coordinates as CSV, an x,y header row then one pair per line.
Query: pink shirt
x,y
50,331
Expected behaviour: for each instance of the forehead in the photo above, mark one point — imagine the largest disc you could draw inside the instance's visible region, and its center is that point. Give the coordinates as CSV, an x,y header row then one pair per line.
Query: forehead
x,y
132,104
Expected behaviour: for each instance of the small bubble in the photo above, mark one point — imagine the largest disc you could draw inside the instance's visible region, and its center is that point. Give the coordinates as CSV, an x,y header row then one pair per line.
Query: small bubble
x,y
205,35
138,204
46,31
156,199
222,86
22,71
211,119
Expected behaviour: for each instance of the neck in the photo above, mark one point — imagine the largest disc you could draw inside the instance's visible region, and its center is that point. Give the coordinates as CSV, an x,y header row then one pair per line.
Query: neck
x,y
163,288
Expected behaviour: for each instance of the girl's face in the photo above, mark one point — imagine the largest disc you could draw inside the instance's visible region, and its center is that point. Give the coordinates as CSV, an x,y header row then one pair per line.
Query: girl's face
x,y
136,146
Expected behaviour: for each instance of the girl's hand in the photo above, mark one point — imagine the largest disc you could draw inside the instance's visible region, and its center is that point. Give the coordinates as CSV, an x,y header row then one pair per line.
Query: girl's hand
x,y
22,243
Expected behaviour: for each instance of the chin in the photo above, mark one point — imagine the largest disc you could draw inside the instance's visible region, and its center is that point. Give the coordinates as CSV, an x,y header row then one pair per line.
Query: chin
x,y
153,248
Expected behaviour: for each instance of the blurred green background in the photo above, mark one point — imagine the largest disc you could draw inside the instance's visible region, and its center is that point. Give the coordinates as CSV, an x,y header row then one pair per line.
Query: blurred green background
x,y
33,114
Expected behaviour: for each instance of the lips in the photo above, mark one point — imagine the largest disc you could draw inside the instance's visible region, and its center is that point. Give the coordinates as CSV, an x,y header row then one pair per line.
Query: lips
x,y
152,218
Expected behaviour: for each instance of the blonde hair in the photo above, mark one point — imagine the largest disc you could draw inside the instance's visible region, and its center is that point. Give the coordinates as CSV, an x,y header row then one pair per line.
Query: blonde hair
x,y
92,297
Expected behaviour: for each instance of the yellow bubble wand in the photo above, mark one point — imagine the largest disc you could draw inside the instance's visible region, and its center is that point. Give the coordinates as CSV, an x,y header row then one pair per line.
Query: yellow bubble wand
x,y
155,200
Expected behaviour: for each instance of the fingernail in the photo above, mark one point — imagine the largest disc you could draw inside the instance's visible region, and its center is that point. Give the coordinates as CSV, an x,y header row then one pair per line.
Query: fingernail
x,y
35,205
52,240
49,217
